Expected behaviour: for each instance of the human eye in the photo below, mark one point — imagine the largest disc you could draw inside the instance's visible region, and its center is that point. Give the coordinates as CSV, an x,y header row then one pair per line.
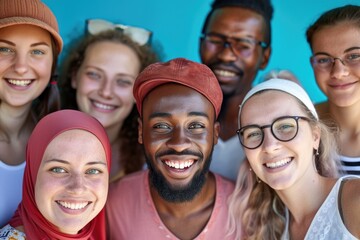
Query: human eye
x,y
353,57
93,171
252,134
215,39
93,75
57,170
243,44
285,126
37,52
197,127
322,60
161,127
122,82
6,50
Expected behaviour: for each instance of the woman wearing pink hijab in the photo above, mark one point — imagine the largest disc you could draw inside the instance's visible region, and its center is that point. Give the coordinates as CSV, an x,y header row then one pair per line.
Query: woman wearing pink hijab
x,y
66,180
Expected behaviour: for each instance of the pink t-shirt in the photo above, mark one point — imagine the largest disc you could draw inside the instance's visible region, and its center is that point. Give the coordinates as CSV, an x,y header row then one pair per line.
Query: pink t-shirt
x,y
131,213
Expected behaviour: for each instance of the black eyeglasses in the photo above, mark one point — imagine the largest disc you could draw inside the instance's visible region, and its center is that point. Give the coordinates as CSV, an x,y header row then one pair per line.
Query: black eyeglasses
x,y
326,62
283,129
240,46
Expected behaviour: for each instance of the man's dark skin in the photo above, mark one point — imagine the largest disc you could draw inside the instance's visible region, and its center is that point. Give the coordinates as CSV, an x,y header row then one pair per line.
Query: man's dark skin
x,y
174,131
234,72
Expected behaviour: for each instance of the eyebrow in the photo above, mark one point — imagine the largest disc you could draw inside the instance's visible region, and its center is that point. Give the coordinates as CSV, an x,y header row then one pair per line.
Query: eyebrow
x,y
346,50
32,45
191,114
68,163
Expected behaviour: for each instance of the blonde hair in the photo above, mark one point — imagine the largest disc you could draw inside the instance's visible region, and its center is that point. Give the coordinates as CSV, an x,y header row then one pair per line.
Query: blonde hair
x,y
255,210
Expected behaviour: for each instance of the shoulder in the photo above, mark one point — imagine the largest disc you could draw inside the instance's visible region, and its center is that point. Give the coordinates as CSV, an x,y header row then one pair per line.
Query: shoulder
x,y
223,184
131,184
10,233
350,204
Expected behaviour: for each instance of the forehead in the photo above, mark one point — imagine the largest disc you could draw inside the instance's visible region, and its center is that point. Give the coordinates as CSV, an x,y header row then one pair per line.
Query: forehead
x,y
175,99
336,38
236,19
72,138
265,106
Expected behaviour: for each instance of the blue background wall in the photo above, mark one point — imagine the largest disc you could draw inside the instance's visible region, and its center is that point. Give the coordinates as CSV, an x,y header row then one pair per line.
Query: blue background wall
x,y
176,26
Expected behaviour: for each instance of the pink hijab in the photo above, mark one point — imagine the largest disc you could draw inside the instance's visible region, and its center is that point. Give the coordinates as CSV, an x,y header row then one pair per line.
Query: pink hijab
x,y
27,214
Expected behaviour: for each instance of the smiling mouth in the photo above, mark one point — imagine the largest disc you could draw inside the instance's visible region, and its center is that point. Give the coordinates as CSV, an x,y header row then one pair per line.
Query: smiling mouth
x,y
224,73
278,164
73,206
179,164
103,106
20,83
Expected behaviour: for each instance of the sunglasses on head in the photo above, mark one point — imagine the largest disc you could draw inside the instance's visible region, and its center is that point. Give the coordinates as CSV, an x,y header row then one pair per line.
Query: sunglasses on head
x,y
138,35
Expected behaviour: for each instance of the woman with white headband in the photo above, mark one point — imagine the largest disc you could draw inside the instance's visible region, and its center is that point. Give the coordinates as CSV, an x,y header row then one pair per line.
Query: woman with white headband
x,y
289,187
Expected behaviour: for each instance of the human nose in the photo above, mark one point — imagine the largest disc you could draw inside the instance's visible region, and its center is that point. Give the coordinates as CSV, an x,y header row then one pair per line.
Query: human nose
x,y
179,140
76,184
21,65
339,69
270,143
106,89
227,53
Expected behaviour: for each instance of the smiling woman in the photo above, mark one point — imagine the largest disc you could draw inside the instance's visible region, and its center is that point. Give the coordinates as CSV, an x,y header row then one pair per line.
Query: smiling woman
x,y
29,46
66,180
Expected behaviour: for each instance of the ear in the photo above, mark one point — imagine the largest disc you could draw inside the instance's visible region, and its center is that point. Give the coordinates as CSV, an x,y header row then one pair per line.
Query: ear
x,y
73,80
265,58
140,131
216,132
316,136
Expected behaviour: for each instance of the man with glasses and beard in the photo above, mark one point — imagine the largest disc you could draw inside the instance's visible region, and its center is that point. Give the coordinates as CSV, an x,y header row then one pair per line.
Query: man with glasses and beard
x,y
235,45
177,197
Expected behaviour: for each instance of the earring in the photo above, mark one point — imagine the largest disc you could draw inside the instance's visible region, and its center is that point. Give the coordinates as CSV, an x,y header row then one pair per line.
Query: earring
x,y
257,178
317,152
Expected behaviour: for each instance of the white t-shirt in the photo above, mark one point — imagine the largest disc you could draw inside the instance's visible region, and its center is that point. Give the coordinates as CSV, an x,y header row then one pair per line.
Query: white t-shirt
x,y
11,178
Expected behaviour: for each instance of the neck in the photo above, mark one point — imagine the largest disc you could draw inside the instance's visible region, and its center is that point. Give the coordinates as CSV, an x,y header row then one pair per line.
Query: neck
x,y
15,122
346,117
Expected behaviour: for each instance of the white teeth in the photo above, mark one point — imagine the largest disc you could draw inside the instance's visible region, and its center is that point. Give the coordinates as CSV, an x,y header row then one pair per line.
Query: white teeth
x,y
278,163
21,83
103,106
225,73
73,206
180,165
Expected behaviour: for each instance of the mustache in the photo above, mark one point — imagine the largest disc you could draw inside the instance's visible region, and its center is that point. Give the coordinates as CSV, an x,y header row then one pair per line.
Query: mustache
x,y
173,152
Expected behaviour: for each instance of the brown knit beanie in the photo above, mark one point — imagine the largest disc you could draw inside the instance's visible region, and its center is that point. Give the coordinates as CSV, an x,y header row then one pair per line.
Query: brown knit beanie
x,y
33,12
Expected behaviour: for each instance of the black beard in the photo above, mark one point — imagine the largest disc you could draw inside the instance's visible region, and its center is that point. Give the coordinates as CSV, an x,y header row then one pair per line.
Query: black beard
x,y
176,194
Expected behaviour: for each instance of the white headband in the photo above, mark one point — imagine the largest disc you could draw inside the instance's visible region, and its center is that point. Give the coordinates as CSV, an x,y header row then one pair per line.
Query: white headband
x,y
286,86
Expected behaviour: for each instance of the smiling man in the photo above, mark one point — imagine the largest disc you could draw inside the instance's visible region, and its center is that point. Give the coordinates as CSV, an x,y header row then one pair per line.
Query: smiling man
x,y
177,197
235,45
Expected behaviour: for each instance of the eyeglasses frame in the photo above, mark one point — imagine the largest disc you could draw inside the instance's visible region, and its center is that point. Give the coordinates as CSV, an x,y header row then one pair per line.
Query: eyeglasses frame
x,y
296,118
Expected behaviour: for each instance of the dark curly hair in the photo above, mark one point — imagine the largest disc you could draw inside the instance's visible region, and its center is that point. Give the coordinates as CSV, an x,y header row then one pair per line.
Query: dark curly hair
x,y
131,152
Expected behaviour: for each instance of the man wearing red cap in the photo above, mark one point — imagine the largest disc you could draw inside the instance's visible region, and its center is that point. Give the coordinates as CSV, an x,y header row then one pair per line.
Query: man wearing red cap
x,y
235,45
177,197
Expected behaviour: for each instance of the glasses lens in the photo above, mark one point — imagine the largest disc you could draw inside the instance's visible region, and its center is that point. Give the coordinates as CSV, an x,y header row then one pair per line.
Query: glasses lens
x,y
244,47
95,26
251,136
285,129
352,58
